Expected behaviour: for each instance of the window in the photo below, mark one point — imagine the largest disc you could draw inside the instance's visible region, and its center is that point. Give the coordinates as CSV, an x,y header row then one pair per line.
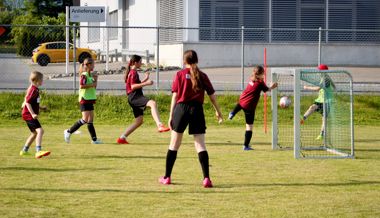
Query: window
x,y
113,22
93,32
51,46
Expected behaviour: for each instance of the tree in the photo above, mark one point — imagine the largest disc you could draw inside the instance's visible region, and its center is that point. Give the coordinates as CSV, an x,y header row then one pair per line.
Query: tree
x,y
49,8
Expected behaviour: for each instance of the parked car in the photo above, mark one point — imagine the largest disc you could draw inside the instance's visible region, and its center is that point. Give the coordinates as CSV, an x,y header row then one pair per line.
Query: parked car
x,y
55,52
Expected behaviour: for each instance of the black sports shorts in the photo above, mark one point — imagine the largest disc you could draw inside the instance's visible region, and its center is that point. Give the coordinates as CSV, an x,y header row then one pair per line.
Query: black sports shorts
x,y
33,124
190,113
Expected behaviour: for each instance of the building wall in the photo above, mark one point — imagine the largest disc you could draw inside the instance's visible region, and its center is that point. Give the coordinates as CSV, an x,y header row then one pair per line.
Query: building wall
x,y
302,54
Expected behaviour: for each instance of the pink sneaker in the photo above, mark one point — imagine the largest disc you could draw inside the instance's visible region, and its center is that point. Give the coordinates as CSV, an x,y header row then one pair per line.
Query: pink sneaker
x,y
122,141
164,181
207,183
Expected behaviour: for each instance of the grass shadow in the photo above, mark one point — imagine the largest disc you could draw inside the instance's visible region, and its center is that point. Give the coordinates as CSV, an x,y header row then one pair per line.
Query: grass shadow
x,y
50,169
123,157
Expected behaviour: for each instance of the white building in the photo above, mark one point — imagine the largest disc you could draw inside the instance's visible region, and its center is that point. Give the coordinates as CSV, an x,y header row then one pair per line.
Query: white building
x,y
219,46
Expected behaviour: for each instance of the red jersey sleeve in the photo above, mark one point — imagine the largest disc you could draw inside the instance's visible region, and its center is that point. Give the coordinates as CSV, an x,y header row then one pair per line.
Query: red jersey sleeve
x,y
264,87
175,83
83,80
207,85
31,95
134,78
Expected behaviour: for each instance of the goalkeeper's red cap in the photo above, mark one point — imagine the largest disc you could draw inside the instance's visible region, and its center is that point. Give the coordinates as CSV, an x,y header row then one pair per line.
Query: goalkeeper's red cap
x,y
323,67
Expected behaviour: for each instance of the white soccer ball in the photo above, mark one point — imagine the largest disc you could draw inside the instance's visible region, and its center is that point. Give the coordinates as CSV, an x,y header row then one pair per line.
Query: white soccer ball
x,y
285,102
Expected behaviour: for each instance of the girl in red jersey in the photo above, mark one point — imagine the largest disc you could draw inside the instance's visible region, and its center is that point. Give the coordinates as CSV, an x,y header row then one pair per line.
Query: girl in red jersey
x,y
30,110
87,99
248,102
186,108
137,100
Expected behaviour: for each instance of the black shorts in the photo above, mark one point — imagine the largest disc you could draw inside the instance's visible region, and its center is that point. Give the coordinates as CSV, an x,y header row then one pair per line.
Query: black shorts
x,y
86,107
320,108
33,124
138,104
249,114
189,114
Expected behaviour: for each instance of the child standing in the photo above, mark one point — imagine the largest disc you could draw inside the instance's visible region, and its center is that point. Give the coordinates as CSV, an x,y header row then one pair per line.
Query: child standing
x,y
87,99
30,111
186,108
249,100
326,89
137,100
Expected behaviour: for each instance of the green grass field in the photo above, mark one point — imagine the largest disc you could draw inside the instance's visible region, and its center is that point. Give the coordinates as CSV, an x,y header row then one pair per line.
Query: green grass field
x,y
111,180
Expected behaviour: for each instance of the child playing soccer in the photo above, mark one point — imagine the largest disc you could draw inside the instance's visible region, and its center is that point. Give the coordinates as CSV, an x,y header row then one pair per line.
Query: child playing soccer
x,y
87,98
30,111
137,100
326,88
186,109
248,102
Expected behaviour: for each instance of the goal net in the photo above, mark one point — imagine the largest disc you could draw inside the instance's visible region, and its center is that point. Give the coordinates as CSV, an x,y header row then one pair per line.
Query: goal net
x,y
319,122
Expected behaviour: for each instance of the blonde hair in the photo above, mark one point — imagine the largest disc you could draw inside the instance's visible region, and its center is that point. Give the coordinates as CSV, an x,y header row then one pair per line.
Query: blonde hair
x,y
36,76
83,66
258,71
190,57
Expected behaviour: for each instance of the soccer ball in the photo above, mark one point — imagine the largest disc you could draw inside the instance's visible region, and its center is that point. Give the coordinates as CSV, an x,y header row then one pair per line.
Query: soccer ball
x,y
285,102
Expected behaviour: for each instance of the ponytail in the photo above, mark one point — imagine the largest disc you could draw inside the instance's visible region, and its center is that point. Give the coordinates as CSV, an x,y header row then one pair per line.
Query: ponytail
x,y
190,57
196,78
134,59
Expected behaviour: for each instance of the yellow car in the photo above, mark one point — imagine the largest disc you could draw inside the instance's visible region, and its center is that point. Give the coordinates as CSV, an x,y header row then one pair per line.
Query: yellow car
x,y
54,52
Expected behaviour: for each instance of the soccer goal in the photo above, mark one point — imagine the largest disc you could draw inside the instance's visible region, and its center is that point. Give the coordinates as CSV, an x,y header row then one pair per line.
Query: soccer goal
x,y
319,122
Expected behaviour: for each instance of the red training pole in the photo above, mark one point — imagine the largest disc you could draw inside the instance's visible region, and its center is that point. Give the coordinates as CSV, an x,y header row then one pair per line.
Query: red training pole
x,y
265,94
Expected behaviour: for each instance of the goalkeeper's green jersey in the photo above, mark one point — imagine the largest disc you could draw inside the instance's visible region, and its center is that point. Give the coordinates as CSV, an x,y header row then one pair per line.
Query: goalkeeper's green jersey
x,y
326,90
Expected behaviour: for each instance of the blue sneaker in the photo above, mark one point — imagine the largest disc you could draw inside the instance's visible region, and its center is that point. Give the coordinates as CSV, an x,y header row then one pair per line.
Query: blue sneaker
x,y
231,115
247,148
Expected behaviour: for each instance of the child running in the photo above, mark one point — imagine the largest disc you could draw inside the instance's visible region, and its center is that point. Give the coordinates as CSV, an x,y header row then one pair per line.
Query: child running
x,y
186,109
249,100
30,111
326,91
137,100
87,98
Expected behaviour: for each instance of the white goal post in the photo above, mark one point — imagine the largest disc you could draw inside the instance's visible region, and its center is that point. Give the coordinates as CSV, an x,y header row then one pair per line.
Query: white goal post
x,y
325,109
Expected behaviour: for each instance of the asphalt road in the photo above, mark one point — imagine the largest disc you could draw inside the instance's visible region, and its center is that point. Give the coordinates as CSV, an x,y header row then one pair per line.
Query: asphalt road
x,y
14,74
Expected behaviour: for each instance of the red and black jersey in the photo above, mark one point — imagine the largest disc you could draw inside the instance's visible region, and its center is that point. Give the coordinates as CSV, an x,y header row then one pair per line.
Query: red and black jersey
x,y
133,78
83,81
251,95
33,98
183,86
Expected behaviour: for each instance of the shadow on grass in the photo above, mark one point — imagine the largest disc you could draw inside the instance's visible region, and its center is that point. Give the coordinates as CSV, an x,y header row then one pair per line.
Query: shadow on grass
x,y
51,169
123,157
61,190
350,183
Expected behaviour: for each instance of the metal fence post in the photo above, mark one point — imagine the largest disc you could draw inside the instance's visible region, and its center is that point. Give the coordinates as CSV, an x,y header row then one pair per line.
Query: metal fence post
x,y
67,37
242,58
108,39
158,58
74,58
320,46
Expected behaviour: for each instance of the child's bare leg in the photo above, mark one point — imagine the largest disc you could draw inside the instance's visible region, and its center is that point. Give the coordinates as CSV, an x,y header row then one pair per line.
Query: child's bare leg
x,y
311,110
131,128
40,133
154,110
31,138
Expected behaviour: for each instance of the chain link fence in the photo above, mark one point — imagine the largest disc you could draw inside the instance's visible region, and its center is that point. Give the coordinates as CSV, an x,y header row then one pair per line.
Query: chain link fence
x,y
227,55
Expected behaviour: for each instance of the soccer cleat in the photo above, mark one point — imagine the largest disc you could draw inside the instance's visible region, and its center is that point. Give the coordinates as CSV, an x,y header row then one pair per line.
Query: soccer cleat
x,y
230,116
66,136
207,183
302,121
247,148
97,141
122,141
163,128
164,181
320,137
25,153
40,154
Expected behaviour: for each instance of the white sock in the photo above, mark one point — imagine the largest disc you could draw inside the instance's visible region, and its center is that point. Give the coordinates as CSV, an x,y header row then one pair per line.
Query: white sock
x,y
123,137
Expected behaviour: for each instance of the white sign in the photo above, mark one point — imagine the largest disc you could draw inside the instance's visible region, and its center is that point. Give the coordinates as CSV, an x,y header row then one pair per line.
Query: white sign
x,y
87,14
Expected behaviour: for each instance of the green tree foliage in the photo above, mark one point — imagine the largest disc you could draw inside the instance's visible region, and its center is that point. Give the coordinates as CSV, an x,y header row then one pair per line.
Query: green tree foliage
x,y
50,8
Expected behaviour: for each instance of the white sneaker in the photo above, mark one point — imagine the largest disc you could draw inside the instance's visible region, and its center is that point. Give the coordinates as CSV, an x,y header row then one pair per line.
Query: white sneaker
x,y
98,141
66,136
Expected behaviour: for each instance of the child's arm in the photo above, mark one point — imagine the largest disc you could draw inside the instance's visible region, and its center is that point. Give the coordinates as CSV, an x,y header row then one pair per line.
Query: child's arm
x,y
272,86
146,77
218,113
142,84
31,111
83,85
312,88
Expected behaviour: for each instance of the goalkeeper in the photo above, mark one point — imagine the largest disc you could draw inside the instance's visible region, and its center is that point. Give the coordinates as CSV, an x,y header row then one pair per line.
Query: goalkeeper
x,y
326,89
